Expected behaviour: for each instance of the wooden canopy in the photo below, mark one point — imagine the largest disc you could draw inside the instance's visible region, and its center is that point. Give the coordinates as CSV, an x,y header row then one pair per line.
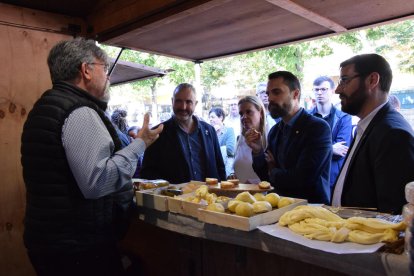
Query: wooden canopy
x,y
126,71
206,29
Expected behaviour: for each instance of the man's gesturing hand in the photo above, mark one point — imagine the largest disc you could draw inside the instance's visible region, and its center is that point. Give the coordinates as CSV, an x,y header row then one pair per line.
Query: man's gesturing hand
x,y
147,134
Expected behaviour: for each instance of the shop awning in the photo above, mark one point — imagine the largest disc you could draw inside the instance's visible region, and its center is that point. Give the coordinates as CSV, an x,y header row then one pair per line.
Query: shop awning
x,y
126,71
199,30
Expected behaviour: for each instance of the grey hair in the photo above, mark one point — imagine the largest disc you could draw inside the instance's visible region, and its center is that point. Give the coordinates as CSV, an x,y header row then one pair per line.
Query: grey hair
x,y
183,86
66,58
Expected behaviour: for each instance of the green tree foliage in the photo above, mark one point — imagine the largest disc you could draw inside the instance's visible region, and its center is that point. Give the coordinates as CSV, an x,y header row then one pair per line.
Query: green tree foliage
x,y
397,38
248,69
180,71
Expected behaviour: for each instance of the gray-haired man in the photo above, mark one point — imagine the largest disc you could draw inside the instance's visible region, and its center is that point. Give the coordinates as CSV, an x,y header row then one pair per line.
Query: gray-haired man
x,y
78,180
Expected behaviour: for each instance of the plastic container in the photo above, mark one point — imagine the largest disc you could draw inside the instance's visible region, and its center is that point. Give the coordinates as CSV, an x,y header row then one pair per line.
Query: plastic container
x,y
409,192
408,214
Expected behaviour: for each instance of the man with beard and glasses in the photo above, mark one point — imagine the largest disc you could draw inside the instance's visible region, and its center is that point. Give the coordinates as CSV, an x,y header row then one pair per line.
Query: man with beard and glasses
x,y
77,177
297,159
187,149
339,122
381,158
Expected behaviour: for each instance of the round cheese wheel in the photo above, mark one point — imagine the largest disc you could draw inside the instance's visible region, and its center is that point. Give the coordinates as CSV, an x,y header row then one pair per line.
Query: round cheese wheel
x,y
211,181
264,185
234,181
226,184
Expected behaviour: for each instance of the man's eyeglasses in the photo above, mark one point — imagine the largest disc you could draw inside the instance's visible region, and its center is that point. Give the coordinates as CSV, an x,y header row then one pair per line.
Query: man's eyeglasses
x,y
106,66
261,92
322,89
346,80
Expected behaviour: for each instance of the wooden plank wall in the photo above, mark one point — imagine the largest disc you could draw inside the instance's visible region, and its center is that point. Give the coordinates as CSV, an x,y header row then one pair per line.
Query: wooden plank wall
x,y
24,76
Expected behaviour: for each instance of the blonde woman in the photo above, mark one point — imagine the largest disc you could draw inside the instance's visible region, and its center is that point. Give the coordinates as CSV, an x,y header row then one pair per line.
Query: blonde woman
x,y
252,118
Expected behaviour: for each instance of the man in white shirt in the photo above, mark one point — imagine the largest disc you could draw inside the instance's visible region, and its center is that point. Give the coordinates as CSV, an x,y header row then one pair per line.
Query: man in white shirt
x,y
233,118
261,93
381,158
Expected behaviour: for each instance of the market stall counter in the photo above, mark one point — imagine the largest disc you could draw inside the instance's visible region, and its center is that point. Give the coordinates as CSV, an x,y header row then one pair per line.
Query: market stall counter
x,y
164,242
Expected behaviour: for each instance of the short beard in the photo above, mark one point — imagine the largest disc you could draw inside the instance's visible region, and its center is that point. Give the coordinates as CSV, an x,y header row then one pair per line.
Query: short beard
x,y
355,102
277,111
181,117
106,96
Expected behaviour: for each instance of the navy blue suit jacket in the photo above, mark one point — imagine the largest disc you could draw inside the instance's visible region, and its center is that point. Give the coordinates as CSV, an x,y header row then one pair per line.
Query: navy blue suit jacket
x,y
307,161
383,163
165,159
341,131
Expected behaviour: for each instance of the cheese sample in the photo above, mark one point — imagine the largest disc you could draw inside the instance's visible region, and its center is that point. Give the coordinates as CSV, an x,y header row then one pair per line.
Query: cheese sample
x,y
244,209
261,207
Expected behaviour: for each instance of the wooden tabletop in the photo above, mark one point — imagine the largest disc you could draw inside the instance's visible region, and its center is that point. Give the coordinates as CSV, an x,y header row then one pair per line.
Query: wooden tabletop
x,y
353,264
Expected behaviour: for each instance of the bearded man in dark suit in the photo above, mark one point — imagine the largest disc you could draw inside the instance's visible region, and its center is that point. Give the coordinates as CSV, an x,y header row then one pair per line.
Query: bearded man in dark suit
x,y
298,157
380,161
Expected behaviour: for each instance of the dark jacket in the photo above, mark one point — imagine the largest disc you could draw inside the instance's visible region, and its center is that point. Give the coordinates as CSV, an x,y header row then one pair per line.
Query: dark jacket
x,y
383,163
307,164
58,217
341,130
165,159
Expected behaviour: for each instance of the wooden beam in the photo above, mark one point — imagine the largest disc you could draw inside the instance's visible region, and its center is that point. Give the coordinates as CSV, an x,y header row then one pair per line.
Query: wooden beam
x,y
308,14
112,14
154,17
181,15
16,16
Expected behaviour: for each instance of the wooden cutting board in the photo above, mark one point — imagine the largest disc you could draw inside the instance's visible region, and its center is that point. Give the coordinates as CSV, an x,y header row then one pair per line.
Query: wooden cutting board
x,y
252,188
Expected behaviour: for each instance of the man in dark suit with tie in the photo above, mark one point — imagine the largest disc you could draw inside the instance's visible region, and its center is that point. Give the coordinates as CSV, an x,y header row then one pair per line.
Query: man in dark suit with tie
x,y
297,160
380,161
